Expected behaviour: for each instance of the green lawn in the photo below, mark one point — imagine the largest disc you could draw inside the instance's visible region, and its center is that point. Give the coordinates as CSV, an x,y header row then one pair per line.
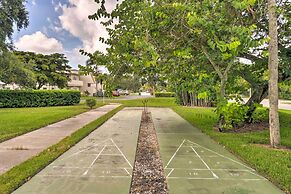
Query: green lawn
x,y
151,102
17,121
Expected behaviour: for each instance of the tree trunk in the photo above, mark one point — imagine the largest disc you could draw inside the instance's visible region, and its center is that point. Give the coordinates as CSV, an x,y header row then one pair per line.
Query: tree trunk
x,y
222,87
222,97
258,95
273,75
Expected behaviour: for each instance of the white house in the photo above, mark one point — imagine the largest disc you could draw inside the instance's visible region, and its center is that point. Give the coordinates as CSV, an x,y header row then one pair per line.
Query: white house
x,y
86,84
83,83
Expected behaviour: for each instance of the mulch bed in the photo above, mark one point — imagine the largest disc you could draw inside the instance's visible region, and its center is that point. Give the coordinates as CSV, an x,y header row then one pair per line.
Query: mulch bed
x,y
246,128
148,173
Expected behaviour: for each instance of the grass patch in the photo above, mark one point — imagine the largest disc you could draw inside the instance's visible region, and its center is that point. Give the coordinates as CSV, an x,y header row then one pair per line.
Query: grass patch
x,y
18,175
152,102
17,121
273,164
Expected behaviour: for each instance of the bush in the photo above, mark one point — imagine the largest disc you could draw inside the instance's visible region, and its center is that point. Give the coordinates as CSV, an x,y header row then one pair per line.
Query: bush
x,y
38,98
91,102
165,94
261,115
285,91
234,114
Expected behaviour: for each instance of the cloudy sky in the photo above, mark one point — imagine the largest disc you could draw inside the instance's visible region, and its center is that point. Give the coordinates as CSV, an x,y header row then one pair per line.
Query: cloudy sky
x,y
62,26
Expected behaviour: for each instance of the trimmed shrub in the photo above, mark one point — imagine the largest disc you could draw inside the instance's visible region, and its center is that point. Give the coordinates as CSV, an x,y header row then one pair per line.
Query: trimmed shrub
x,y
285,92
91,102
164,94
38,98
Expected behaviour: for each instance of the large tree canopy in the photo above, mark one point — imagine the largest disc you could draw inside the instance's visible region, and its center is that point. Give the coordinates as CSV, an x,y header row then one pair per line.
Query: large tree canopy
x,y
198,46
48,69
13,70
12,13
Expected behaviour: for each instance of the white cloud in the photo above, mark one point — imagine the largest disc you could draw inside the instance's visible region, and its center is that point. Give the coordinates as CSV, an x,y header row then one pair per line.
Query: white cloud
x,y
33,2
76,58
74,19
39,43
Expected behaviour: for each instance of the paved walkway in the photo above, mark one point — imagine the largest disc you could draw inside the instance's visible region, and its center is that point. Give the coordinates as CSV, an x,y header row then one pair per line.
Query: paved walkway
x,y
21,148
100,163
283,104
195,164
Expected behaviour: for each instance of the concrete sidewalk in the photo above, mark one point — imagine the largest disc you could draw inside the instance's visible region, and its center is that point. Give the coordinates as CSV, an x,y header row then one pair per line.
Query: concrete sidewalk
x,y
21,148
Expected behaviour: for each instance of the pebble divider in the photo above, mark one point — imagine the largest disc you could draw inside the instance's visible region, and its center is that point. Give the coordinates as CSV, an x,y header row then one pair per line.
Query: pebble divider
x,y
148,173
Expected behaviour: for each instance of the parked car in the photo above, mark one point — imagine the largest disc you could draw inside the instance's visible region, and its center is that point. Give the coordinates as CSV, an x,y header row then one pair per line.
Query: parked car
x,y
115,93
123,92
145,94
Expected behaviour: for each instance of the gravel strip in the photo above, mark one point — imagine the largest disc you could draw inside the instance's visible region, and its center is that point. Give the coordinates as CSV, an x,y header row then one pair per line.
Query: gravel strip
x,y
148,173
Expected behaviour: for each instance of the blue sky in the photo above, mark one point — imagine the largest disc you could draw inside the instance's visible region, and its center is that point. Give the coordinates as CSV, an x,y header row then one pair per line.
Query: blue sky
x,y
62,26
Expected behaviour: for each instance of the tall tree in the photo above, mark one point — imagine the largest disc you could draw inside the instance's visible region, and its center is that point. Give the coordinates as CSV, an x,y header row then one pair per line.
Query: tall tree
x,y
49,69
273,75
12,13
13,70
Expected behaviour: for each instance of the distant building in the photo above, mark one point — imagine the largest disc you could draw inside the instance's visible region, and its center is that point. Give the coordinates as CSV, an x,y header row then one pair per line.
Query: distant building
x,y
86,84
11,86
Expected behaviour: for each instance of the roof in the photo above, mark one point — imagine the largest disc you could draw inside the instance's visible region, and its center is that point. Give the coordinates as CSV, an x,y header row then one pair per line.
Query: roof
x,y
2,83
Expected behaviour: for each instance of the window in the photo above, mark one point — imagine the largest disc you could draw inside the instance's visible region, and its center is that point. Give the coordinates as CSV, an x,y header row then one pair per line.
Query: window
x,y
89,85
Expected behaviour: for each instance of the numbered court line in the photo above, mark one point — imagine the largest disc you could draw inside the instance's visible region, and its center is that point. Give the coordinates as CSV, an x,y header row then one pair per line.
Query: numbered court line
x,y
222,155
86,172
214,175
249,170
87,168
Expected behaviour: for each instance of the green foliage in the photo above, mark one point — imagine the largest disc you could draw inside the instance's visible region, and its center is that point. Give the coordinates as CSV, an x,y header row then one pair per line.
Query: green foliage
x,y
234,114
21,173
12,70
38,98
129,83
164,94
91,102
48,69
285,91
261,115
12,14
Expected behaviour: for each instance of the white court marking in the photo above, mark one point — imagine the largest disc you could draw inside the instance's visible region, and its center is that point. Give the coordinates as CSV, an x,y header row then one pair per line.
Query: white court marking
x,y
195,145
111,144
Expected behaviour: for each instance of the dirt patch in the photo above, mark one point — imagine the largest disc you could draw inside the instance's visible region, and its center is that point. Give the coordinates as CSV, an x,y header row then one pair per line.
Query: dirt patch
x,y
280,148
148,173
247,128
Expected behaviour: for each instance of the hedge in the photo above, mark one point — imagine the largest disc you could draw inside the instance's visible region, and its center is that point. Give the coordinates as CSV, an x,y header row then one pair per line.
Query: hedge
x,y
165,94
285,92
38,98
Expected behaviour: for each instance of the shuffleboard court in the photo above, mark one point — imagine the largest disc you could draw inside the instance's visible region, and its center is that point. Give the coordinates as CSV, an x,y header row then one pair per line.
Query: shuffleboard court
x,y
195,164
101,163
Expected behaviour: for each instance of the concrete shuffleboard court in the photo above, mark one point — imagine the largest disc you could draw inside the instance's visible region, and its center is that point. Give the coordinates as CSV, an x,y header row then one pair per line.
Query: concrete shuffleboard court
x,y
101,163
195,164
